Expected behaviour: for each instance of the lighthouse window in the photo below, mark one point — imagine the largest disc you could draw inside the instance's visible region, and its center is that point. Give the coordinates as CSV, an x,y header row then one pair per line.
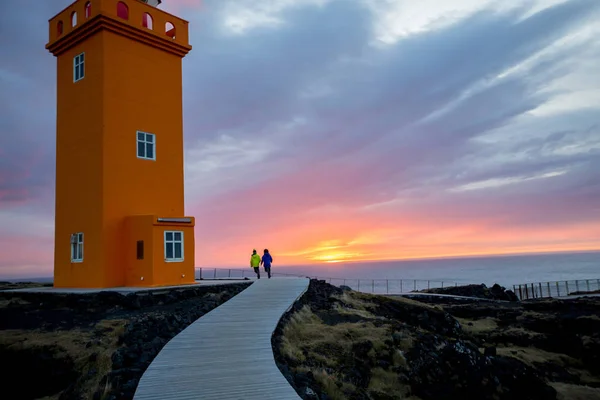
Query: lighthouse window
x,y
146,143
173,246
77,247
78,67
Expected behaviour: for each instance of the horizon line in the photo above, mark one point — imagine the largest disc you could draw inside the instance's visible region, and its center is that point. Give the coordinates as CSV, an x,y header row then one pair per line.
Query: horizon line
x,y
464,256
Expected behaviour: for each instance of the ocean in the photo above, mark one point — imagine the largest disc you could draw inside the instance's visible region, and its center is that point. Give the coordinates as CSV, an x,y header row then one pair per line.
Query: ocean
x,y
504,270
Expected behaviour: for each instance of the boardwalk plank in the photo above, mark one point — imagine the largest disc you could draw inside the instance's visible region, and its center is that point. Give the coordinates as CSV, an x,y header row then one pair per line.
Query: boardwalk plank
x,y
227,353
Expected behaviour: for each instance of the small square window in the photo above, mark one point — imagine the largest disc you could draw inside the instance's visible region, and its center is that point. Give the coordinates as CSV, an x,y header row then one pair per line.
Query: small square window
x,y
77,247
78,67
173,246
146,146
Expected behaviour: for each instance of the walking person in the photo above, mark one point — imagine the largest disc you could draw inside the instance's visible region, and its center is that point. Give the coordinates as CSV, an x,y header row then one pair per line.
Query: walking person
x,y
266,261
255,263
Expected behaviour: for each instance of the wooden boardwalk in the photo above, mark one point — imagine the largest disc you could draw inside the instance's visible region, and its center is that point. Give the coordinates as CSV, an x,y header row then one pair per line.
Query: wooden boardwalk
x,y
227,353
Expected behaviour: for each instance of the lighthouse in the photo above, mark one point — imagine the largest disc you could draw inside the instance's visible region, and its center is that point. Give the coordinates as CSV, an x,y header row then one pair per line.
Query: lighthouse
x,y
119,216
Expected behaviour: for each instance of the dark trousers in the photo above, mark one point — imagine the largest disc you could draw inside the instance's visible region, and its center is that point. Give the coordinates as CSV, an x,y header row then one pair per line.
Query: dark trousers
x,y
268,270
257,270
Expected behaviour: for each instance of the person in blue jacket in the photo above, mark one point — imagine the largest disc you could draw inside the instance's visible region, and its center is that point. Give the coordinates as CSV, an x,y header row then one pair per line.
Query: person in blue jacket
x,y
266,261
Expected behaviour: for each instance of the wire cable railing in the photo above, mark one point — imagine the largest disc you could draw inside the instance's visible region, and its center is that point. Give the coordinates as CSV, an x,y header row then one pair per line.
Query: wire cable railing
x,y
373,286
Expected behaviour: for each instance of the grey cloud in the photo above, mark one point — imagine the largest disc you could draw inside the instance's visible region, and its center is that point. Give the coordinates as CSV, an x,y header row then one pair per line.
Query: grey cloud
x,y
367,140
27,116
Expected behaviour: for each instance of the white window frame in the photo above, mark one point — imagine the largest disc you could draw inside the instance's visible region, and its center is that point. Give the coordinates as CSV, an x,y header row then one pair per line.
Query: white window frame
x,y
78,61
146,142
76,250
172,242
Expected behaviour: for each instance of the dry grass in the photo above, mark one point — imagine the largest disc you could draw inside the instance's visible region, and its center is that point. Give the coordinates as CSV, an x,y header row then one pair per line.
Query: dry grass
x,y
387,382
74,343
532,355
566,391
324,347
478,326
412,302
306,332
329,384
356,300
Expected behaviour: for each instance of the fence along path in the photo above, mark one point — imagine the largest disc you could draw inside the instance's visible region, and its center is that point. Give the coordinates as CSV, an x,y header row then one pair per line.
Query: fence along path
x,y
540,290
227,353
373,286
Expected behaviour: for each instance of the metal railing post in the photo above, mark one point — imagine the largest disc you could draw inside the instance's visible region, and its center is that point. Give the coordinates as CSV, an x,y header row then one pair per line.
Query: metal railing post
x,y
587,282
358,285
549,291
415,284
372,285
401,290
577,286
215,275
387,286
520,293
567,285
557,290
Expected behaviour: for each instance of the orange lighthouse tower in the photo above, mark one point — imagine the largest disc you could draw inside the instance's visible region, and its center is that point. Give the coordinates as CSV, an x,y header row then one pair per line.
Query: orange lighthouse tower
x,y
119,146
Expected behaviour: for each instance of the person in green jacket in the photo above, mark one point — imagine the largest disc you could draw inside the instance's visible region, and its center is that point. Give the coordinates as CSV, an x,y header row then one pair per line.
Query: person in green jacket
x,y
255,263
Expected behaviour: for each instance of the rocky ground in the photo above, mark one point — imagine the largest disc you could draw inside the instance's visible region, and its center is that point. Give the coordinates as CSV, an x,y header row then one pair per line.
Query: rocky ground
x,y
496,292
92,346
339,344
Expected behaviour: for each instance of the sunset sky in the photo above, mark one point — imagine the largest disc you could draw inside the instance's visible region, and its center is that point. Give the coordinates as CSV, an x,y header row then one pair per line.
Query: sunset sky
x,y
337,130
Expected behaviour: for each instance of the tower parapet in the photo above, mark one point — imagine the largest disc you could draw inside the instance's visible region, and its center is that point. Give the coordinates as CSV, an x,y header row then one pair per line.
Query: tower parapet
x,y
134,18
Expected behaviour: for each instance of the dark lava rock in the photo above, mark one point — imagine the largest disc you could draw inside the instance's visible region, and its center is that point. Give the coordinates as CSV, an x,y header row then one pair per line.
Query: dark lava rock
x,y
496,292
489,351
444,369
47,367
431,319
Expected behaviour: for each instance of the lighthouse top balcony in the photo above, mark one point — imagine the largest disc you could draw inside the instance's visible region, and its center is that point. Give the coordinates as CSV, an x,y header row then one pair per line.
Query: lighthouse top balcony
x,y
138,18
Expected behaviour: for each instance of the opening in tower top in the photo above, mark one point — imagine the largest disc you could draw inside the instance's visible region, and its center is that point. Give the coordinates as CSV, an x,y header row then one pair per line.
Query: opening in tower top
x,y
147,21
74,18
122,10
59,28
170,30
88,9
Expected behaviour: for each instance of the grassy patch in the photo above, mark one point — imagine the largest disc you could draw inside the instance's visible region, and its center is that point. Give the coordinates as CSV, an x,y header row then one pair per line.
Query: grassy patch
x,y
91,350
478,326
575,392
307,334
327,349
